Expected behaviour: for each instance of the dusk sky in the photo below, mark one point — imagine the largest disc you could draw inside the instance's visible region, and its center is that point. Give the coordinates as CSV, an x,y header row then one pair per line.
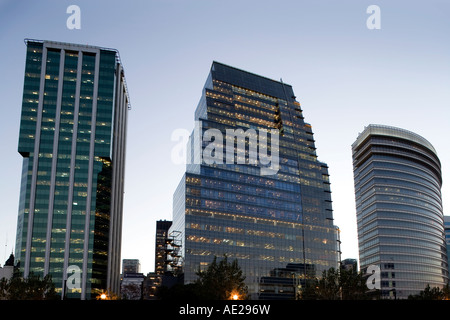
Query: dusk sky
x,y
344,74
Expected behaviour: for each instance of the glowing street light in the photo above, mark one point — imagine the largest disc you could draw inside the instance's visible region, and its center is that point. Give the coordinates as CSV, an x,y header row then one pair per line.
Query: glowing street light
x,y
103,296
234,295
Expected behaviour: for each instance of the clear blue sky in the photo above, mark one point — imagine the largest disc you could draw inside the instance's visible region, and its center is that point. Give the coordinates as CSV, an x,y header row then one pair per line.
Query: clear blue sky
x,y
344,75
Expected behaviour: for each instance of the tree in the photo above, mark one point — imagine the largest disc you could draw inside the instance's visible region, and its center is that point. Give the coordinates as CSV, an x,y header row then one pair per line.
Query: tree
x,y
3,289
30,288
222,280
328,285
309,290
353,285
434,293
131,291
336,285
446,291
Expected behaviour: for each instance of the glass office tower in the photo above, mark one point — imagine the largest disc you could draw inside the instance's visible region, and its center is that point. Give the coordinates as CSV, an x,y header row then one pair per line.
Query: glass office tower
x,y
229,202
398,182
72,140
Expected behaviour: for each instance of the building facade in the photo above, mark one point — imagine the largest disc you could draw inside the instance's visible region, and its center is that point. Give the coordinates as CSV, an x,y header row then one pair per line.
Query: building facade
x,y
150,286
7,271
162,236
447,237
397,176
237,200
349,264
286,283
72,140
131,266
131,286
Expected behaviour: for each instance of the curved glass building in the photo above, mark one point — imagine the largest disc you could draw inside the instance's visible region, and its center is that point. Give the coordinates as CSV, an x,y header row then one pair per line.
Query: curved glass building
x,y
397,176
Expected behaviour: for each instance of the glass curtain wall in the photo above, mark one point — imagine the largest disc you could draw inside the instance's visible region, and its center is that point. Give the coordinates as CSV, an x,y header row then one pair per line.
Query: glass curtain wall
x,y
265,221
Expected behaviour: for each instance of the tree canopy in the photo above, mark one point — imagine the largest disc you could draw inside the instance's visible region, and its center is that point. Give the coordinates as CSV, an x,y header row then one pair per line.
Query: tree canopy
x,y
30,288
434,293
336,285
222,280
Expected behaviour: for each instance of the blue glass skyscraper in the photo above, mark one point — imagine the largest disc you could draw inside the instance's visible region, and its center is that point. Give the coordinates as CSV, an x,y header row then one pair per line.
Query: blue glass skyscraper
x,y
266,214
